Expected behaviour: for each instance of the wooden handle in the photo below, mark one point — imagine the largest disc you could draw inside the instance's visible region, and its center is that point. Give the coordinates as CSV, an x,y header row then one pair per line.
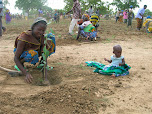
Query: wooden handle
x,y
9,70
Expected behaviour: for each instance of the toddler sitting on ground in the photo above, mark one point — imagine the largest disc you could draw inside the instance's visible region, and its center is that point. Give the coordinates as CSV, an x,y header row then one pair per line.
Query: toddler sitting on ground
x,y
117,66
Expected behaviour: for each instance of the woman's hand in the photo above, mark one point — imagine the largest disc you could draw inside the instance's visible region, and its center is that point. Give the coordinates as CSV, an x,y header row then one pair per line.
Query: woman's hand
x,y
28,78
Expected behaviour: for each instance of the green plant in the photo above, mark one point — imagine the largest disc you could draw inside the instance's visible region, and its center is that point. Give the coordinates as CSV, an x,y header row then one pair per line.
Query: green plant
x,y
45,54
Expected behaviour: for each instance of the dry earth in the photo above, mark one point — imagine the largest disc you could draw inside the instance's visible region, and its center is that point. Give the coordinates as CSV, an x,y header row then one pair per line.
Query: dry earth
x,y
74,88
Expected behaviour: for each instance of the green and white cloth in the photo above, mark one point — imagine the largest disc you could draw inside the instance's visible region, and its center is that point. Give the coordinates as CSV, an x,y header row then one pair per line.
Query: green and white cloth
x,y
109,69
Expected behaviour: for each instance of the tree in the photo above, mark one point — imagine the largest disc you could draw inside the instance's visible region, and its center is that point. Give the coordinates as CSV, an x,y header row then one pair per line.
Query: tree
x,y
5,3
124,4
147,13
27,5
85,5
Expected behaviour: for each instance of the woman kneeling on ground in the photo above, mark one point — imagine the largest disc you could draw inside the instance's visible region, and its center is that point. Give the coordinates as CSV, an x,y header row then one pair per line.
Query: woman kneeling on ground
x,y
29,46
87,30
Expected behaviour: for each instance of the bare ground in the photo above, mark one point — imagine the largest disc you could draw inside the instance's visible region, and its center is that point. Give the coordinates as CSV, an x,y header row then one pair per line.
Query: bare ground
x,y
74,87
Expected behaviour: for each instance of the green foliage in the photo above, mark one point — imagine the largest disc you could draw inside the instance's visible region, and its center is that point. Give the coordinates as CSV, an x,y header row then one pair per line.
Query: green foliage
x,y
85,5
28,5
125,4
69,5
5,3
46,8
148,12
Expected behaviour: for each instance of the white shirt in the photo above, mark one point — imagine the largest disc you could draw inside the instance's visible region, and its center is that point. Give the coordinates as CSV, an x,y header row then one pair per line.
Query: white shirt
x,y
86,23
116,61
117,14
90,11
140,11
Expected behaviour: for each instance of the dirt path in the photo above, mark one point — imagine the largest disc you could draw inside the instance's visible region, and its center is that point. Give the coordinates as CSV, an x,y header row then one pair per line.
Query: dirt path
x,y
79,90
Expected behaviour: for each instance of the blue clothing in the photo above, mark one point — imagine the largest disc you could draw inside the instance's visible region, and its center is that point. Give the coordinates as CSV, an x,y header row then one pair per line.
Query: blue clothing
x,y
30,56
91,35
53,43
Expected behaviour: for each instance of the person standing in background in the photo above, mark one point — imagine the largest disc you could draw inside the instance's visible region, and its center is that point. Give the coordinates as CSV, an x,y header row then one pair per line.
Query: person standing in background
x,y
26,16
40,12
8,16
90,11
117,15
76,15
97,12
1,14
125,15
130,16
139,17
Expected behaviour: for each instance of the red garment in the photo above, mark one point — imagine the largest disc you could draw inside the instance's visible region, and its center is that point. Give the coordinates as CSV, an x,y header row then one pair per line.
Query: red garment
x,y
31,43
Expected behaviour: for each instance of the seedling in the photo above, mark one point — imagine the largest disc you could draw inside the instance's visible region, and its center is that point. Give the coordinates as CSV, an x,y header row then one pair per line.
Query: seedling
x,y
45,54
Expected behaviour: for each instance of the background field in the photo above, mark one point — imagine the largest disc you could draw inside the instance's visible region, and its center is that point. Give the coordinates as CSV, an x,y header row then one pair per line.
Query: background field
x,y
74,87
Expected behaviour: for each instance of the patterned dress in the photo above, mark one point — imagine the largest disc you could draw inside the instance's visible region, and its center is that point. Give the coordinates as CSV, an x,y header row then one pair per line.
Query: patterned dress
x,y
34,48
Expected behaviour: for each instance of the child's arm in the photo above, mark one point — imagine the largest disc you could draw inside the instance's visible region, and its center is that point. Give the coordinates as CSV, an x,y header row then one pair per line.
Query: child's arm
x,y
123,62
19,51
108,60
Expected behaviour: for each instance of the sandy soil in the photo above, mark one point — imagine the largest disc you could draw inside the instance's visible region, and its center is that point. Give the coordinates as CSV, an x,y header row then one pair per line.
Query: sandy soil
x,y
74,87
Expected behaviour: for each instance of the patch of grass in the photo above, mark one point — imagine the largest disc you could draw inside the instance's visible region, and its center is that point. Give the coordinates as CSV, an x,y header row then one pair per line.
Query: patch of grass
x,y
74,36
59,36
113,36
60,63
40,79
108,40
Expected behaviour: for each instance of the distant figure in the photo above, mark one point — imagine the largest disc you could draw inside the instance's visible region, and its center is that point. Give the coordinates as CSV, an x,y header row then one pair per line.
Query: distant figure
x,y
130,16
94,19
7,16
125,15
40,12
139,17
90,11
121,16
117,15
26,16
1,14
97,12
56,16
76,15
47,15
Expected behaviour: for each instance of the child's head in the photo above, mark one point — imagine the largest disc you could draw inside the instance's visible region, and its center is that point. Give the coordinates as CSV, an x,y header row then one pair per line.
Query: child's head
x,y
39,26
117,50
